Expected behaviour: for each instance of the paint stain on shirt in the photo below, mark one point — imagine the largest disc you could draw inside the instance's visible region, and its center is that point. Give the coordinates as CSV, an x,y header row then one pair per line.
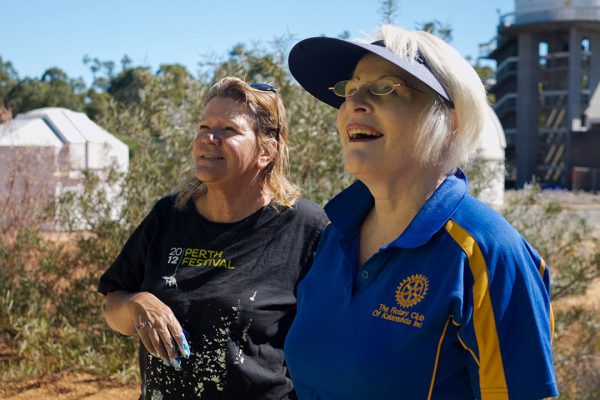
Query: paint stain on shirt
x,y
220,344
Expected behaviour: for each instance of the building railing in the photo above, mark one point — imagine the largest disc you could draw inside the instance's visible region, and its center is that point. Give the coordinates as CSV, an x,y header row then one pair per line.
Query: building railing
x,y
511,136
553,93
558,60
553,98
561,130
507,20
508,67
485,49
550,14
508,102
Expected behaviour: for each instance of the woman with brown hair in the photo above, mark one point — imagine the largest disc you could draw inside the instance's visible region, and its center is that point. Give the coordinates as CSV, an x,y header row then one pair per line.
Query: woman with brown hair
x,y
207,281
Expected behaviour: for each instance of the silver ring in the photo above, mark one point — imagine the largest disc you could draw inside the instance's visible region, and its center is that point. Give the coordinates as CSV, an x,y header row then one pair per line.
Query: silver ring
x,y
143,325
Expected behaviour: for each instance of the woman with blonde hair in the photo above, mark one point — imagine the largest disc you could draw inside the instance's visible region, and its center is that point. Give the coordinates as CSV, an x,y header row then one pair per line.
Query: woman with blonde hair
x,y
418,290
208,279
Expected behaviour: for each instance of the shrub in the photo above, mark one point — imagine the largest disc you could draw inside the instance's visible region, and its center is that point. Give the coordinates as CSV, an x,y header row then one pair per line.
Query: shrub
x,y
571,247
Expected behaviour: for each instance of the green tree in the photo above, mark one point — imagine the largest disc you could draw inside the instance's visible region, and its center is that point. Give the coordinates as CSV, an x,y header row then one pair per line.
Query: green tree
x,y
126,87
177,78
254,65
62,91
103,71
97,104
435,27
487,75
8,79
54,89
97,98
389,10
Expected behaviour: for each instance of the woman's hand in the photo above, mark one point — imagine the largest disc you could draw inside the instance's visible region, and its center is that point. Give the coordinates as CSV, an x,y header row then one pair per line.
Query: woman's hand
x,y
153,321
158,328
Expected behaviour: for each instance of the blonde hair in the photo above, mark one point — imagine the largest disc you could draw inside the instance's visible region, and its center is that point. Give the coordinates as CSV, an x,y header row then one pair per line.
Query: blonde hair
x,y
271,133
446,137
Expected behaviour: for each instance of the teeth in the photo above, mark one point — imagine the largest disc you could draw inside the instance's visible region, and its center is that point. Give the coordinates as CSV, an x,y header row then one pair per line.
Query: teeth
x,y
363,134
211,156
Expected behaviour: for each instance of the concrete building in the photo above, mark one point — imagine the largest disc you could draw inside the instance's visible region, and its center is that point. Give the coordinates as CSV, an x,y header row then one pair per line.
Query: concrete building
x,y
548,71
44,153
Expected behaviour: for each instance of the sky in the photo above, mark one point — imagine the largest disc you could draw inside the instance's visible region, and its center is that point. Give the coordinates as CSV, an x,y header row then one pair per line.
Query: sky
x,y
38,34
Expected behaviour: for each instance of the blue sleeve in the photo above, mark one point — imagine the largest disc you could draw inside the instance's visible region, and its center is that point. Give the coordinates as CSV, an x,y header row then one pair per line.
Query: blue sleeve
x,y
507,321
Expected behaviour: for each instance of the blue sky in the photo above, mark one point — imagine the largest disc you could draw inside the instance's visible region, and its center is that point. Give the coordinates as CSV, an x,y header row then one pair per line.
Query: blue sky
x,y
38,34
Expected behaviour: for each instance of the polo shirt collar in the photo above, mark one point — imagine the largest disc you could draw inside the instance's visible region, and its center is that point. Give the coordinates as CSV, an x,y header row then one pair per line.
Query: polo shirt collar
x,y
347,210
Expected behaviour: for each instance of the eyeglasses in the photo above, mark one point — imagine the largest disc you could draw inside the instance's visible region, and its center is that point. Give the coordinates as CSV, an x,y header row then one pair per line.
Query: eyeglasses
x,y
265,87
379,87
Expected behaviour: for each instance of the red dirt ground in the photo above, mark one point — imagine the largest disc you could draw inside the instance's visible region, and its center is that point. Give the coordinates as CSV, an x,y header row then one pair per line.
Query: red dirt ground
x,y
73,386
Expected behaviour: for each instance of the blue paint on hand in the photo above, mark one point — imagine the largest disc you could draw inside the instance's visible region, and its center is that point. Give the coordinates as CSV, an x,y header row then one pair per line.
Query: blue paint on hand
x,y
184,343
176,363
186,349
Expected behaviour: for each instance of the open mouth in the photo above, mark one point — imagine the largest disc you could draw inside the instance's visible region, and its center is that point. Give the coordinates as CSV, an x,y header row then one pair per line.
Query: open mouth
x,y
362,133
211,157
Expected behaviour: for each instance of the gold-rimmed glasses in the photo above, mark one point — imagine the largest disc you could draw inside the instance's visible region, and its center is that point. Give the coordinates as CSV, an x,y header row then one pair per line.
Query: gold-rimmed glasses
x,y
378,87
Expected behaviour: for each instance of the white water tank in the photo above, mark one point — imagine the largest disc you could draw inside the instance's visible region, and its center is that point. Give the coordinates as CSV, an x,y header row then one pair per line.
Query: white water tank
x,y
44,154
534,11
491,149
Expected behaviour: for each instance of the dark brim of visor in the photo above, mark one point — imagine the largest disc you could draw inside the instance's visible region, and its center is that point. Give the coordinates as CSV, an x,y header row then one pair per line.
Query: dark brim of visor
x,y
318,63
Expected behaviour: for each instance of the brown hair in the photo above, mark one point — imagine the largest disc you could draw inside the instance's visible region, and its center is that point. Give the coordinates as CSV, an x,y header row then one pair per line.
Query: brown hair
x,y
271,133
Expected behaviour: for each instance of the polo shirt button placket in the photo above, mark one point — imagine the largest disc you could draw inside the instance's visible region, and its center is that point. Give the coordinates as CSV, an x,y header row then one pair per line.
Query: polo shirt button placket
x,y
365,274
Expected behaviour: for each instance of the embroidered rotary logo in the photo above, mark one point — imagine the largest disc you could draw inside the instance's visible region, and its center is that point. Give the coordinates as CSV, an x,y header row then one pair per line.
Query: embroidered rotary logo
x,y
412,290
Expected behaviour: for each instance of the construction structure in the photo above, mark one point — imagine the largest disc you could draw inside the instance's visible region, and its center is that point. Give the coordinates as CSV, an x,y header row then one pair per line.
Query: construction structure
x,y
546,88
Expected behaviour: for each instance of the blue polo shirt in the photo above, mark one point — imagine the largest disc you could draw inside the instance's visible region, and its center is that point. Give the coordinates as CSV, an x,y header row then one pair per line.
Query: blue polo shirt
x,y
457,307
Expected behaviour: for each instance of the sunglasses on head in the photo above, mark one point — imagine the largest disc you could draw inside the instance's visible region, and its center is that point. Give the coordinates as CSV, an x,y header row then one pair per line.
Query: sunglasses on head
x,y
265,87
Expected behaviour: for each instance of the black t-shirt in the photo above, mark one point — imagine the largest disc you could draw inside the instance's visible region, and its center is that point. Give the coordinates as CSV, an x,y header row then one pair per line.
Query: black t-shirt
x,y
231,286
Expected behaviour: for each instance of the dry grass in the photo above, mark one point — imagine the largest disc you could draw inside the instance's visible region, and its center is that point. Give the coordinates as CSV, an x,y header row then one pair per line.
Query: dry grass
x,y
69,386
589,301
